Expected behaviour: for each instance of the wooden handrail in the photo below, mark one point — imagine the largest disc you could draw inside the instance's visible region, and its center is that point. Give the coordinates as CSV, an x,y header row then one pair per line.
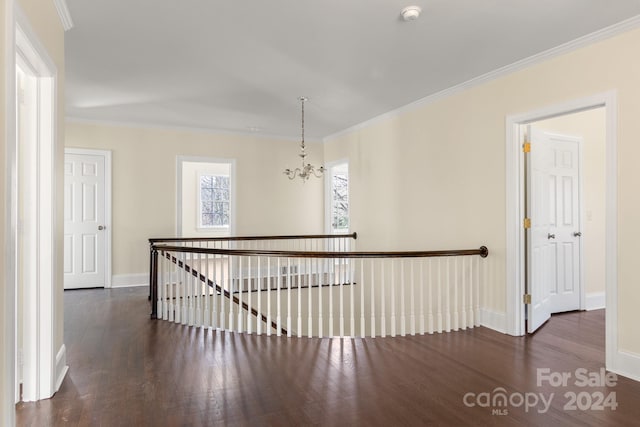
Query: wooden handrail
x,y
239,238
482,251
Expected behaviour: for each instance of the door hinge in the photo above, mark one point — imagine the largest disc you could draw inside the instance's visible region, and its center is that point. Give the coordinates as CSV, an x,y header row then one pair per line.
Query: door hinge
x,y
526,298
526,147
526,223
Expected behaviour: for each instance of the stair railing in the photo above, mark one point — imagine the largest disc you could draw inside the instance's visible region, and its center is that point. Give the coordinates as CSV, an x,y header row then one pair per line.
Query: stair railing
x,y
315,293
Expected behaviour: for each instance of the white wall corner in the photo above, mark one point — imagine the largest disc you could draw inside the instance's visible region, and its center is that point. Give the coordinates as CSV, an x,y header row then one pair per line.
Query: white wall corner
x,y
129,280
493,320
595,301
627,364
61,367
63,12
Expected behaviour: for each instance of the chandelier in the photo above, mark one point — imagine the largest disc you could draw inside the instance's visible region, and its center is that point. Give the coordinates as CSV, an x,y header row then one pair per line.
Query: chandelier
x,y
307,168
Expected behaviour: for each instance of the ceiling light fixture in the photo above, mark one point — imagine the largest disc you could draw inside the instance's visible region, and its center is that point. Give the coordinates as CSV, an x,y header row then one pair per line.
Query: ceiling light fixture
x,y
307,169
411,13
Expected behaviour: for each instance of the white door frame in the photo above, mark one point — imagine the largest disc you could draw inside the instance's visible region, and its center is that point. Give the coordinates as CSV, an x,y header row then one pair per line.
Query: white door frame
x,y
515,214
106,154
44,366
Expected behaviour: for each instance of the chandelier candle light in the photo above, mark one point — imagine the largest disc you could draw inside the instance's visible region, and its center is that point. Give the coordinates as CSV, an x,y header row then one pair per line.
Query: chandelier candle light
x,y
307,169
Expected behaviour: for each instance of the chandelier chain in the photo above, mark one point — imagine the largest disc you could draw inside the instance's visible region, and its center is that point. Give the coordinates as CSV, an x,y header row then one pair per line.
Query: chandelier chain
x,y
307,169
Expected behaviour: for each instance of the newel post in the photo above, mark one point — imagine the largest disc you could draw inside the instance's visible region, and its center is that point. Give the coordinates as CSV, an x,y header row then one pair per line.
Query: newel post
x,y
153,282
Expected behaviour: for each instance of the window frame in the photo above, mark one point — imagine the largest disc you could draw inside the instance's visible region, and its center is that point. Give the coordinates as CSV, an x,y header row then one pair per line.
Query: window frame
x,y
199,223
202,164
332,169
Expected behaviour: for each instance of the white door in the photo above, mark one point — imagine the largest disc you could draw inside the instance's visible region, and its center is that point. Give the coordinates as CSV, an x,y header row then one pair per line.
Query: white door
x,y
564,215
84,221
553,205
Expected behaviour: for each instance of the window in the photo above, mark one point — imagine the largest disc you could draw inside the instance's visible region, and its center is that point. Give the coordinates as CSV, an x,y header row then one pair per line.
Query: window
x,y
214,201
339,198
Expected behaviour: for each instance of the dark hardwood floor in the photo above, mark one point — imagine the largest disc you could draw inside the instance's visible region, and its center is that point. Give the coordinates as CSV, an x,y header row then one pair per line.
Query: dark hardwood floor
x,y
128,370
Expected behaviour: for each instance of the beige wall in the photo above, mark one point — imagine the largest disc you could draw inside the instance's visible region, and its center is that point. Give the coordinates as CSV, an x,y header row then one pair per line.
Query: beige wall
x,y
591,126
441,167
144,184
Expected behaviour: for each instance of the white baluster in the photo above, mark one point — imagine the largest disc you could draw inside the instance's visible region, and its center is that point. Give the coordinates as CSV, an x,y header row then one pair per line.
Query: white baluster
x,y
403,284
447,302
393,297
383,298
472,295
299,307
478,284
439,298
352,300
332,266
200,294
362,324
207,293
214,294
455,324
232,280
338,244
321,272
249,295
172,278
278,313
412,317
184,311
309,294
430,299
422,286
341,275
289,332
278,303
159,283
463,296
269,296
372,289
240,292
223,288
259,283
190,289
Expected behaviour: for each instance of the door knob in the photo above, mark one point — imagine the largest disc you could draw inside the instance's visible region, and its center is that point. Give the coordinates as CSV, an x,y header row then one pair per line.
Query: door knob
x,y
551,236
577,234
101,227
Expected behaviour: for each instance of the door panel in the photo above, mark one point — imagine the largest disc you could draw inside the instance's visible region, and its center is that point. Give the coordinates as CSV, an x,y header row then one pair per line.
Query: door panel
x,y
85,242
554,209
566,170
542,252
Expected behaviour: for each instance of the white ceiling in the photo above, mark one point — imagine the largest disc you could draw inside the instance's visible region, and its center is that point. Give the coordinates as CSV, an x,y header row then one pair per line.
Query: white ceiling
x,y
240,65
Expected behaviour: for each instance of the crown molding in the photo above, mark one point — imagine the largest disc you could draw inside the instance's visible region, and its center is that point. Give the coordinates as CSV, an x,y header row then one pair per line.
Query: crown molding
x,y
63,12
597,36
177,128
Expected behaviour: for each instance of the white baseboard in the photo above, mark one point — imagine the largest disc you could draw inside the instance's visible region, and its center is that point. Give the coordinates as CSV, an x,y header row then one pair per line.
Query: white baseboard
x,y
595,301
627,364
493,320
129,280
61,367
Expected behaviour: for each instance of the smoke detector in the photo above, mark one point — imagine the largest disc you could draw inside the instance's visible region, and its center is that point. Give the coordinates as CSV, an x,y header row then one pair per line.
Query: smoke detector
x,y
410,13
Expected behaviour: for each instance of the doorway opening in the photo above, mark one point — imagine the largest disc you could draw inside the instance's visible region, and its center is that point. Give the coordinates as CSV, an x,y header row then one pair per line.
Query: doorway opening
x,y
517,211
565,203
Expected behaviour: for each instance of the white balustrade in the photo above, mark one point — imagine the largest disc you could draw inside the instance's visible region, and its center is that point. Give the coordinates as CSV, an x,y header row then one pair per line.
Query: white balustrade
x,y
287,287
